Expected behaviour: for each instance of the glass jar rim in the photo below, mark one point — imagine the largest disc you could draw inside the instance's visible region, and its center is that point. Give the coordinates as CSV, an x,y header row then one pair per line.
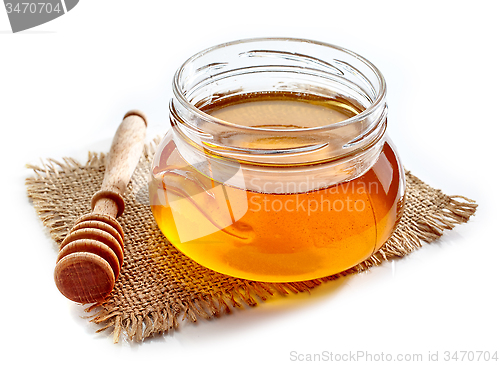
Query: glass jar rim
x,y
372,108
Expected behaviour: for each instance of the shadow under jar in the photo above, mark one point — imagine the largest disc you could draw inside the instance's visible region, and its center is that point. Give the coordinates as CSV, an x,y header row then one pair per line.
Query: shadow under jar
x,y
277,167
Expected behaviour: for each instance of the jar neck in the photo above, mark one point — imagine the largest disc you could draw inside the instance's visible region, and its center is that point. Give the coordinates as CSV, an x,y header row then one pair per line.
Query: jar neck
x,y
314,157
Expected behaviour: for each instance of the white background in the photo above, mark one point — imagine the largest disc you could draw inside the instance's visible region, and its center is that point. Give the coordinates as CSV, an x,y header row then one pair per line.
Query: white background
x,y
65,85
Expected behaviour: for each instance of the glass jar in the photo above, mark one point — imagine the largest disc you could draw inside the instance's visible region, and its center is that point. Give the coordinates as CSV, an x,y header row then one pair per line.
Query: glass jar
x,y
260,199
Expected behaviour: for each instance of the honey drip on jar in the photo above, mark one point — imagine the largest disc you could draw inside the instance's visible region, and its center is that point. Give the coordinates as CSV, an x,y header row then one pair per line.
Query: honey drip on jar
x,y
277,237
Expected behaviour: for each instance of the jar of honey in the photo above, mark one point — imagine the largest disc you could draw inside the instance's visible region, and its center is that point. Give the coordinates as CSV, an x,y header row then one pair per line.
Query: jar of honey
x,y
277,167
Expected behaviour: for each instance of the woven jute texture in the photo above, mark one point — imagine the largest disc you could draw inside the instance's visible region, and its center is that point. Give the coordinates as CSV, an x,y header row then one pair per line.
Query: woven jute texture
x,y
159,286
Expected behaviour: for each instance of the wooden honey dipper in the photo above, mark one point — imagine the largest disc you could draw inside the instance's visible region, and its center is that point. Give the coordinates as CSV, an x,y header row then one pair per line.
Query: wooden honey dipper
x,y
91,255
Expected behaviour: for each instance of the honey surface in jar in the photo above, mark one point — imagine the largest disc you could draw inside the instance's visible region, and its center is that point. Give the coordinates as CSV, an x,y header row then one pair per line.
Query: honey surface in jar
x,y
276,237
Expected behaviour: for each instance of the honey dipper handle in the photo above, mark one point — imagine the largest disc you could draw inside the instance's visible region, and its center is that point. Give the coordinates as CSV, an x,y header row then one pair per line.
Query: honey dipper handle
x,y
126,150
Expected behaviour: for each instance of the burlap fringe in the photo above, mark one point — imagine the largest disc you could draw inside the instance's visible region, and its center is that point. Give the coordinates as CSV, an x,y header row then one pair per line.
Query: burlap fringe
x,y
138,327
44,205
458,209
142,325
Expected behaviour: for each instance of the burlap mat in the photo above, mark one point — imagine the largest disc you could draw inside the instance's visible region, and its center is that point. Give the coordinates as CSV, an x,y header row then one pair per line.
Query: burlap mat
x,y
159,286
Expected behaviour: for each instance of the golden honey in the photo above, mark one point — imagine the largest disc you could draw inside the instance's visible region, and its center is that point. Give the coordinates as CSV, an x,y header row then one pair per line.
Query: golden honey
x,y
275,229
